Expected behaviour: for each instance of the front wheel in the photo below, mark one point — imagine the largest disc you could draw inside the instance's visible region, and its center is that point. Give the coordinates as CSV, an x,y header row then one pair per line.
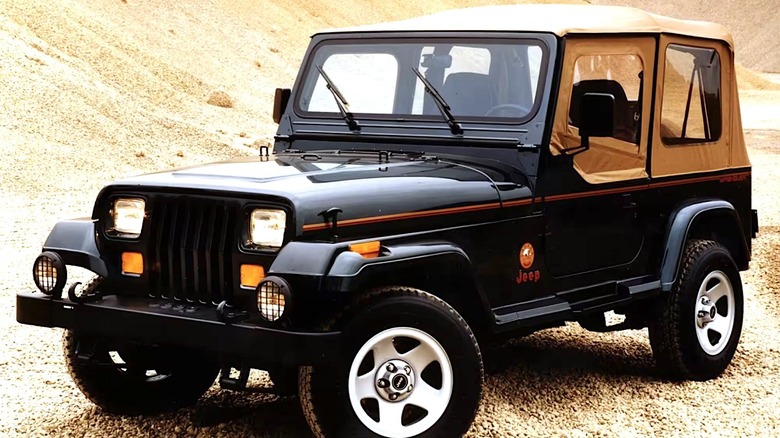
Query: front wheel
x,y
412,368
126,378
697,326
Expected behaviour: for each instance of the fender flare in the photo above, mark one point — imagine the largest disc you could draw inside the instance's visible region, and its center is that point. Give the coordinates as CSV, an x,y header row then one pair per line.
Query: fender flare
x,y
335,261
680,223
75,241
345,272
349,268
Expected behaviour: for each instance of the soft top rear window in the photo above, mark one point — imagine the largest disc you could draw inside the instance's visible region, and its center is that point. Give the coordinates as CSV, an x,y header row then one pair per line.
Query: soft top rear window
x,y
479,79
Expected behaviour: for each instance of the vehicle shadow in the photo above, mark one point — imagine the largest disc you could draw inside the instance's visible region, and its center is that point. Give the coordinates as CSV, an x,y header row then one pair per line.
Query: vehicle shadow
x,y
575,352
549,362
218,414
249,415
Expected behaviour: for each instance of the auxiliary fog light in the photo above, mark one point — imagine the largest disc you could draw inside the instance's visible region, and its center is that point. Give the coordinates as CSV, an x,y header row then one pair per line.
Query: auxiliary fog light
x,y
49,273
273,295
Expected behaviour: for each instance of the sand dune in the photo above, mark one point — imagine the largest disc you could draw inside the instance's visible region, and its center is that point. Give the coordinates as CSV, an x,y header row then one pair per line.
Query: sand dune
x,y
129,80
755,24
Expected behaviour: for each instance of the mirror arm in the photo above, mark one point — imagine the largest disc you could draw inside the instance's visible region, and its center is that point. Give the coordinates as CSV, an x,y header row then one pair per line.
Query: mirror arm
x,y
584,146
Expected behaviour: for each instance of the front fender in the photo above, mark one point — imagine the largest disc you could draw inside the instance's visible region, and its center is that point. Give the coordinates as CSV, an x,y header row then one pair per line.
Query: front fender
x,y
436,266
75,241
349,269
337,264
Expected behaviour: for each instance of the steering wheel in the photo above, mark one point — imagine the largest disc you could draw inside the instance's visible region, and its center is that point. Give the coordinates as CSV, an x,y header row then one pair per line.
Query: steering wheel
x,y
513,109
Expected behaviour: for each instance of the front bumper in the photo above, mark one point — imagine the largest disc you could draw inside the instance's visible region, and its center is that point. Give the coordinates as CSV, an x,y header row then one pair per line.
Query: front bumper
x,y
161,322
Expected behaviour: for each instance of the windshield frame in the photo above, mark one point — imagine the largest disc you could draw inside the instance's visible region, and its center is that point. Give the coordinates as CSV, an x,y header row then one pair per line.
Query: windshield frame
x,y
308,75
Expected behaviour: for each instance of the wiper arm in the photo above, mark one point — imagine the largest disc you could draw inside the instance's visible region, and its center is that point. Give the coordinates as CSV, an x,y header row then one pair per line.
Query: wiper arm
x,y
441,104
341,102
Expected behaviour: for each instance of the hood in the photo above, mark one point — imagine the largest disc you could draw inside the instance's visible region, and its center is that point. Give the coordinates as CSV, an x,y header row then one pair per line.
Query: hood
x,y
365,187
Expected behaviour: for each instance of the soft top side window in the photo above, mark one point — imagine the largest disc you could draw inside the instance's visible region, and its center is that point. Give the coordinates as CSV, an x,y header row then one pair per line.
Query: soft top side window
x,y
691,108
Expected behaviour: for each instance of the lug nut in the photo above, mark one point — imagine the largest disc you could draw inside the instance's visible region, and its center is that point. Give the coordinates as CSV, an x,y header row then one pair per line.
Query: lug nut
x,y
407,370
393,396
391,368
410,388
382,383
705,300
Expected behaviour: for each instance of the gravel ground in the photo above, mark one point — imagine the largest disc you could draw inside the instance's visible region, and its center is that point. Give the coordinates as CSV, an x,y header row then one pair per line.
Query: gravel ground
x,y
71,124
563,382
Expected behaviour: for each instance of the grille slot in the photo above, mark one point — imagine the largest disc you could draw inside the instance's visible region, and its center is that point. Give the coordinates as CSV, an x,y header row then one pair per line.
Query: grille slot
x,y
191,249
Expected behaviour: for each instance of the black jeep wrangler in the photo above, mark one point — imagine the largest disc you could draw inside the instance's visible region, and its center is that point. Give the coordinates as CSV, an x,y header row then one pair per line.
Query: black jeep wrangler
x,y
435,185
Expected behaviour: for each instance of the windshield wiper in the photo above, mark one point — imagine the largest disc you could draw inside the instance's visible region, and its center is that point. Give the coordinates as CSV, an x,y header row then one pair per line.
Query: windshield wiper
x,y
341,102
441,104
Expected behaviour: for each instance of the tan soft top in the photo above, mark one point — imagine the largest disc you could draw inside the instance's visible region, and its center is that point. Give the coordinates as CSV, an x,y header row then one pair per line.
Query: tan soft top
x,y
558,19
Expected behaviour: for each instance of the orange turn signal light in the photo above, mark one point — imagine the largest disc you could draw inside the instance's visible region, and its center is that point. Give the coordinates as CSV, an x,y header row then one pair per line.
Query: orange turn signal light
x,y
132,263
251,275
366,249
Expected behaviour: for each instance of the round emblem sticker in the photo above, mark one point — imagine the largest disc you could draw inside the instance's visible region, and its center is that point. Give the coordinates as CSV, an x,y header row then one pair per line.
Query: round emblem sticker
x,y
526,255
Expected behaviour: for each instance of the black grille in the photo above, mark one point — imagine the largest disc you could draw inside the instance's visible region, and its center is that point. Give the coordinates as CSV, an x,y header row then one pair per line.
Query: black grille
x,y
191,250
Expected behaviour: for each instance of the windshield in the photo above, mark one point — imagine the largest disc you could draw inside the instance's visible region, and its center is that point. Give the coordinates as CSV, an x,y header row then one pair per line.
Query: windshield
x,y
478,79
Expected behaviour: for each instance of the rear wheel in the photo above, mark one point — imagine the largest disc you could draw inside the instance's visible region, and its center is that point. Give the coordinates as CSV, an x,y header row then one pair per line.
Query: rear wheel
x,y
136,379
412,367
697,327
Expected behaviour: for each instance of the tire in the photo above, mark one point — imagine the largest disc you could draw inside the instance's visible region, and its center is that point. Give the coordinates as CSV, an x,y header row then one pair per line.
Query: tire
x,y
155,379
285,380
692,337
404,327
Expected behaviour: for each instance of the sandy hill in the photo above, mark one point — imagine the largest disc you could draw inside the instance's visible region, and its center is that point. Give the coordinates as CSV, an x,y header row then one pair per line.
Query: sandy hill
x,y
755,24
91,90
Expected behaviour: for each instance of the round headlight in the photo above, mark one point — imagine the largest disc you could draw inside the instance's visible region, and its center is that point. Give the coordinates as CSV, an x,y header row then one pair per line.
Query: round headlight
x,y
49,273
273,296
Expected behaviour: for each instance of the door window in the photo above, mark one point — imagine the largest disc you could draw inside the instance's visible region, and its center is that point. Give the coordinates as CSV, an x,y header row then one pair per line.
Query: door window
x,y
618,75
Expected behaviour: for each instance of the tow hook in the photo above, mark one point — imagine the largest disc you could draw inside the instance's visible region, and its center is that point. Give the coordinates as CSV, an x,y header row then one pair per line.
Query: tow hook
x,y
88,293
228,315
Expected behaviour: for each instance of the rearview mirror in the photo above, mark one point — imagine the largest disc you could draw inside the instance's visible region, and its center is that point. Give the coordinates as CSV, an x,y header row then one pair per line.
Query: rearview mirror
x,y
281,97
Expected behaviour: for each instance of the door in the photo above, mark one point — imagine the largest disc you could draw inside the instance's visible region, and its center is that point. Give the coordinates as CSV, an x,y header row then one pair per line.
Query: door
x,y
590,199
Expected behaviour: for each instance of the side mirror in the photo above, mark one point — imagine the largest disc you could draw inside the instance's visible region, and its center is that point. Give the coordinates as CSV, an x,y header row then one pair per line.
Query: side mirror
x,y
597,116
597,119
281,97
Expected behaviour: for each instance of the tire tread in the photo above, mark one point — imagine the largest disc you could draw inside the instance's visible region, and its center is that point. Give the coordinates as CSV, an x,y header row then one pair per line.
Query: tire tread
x,y
304,382
666,331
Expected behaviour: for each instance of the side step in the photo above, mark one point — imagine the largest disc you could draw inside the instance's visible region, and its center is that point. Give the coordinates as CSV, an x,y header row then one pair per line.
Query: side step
x,y
531,313
641,287
577,305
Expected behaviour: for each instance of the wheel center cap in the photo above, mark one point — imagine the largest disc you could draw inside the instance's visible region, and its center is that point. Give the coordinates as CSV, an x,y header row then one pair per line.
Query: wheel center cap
x,y
706,312
394,380
399,382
